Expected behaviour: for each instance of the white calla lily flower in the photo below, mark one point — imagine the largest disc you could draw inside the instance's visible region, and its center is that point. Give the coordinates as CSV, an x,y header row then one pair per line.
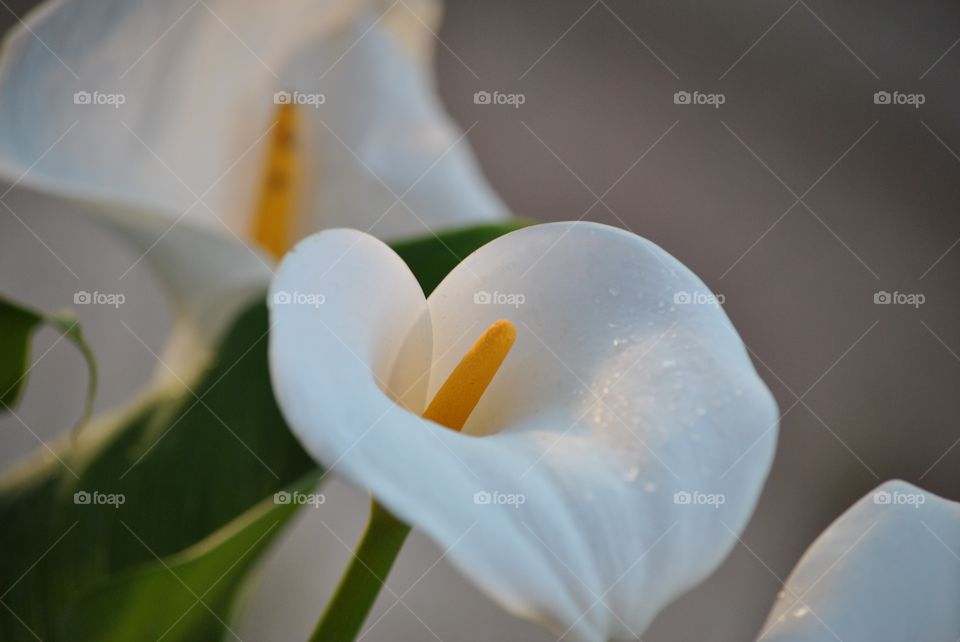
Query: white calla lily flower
x,y
887,570
169,119
616,454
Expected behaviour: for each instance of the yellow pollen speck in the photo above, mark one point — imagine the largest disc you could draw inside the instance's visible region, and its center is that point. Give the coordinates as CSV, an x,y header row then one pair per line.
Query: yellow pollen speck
x,y
273,218
461,392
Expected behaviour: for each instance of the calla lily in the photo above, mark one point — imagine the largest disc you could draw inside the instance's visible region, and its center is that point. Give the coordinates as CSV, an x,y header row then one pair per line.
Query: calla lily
x,y
884,571
616,453
169,120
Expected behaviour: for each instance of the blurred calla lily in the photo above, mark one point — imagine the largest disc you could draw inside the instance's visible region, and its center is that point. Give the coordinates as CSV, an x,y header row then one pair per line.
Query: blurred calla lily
x,y
608,467
208,132
885,571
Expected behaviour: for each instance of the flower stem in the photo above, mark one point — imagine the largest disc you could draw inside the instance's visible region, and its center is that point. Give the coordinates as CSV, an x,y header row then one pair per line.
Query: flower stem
x,y
360,584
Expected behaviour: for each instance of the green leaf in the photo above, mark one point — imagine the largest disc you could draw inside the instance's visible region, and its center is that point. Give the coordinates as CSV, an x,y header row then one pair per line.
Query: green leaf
x,y
432,257
186,465
189,596
17,326
196,472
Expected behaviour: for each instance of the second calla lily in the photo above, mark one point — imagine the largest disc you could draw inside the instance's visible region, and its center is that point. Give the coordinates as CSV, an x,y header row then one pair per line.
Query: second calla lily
x,y
884,571
171,120
611,463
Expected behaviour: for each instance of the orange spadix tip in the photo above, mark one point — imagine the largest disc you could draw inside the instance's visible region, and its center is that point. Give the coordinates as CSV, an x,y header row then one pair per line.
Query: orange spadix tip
x,y
461,392
273,218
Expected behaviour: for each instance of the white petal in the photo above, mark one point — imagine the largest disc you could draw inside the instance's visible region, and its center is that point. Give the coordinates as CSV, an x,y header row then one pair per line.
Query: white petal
x,y
887,570
598,545
197,84
388,160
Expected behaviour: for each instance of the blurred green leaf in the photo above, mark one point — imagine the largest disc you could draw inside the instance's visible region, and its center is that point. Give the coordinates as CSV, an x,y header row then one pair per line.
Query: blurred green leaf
x,y
432,257
196,471
185,466
17,326
189,596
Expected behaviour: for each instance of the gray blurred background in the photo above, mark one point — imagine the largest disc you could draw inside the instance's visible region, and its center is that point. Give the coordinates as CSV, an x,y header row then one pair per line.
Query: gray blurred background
x,y
798,199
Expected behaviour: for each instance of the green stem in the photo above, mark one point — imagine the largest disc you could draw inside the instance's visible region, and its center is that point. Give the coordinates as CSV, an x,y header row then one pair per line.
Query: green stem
x,y
360,584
